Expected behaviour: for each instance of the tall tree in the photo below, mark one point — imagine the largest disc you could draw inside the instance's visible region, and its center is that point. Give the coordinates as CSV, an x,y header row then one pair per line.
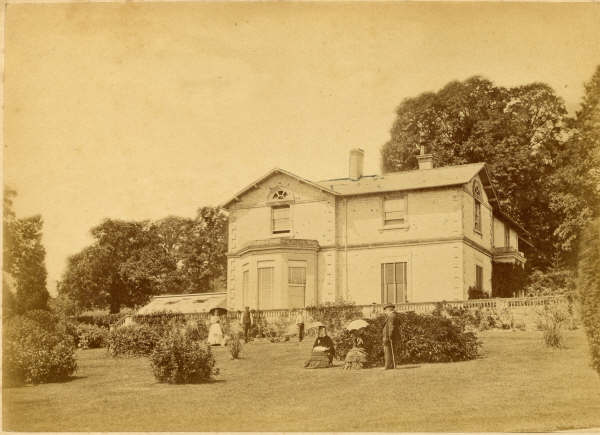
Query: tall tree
x,y
576,183
24,258
129,261
519,132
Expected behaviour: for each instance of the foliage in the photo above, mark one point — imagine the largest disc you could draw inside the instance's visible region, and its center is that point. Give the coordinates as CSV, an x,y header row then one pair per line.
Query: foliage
x,y
132,340
177,359
421,338
475,293
91,336
552,319
519,132
508,280
130,261
195,330
235,347
64,306
554,281
24,258
576,184
334,315
36,350
101,318
588,286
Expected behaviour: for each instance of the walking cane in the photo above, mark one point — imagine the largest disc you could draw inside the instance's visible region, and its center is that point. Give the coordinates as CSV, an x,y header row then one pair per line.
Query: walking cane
x,y
393,357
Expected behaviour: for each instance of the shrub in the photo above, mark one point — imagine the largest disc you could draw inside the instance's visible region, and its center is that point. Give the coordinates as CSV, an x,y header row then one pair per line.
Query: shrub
x,y
177,359
335,315
475,293
422,338
552,319
194,329
132,340
235,347
555,281
91,336
588,286
102,318
36,352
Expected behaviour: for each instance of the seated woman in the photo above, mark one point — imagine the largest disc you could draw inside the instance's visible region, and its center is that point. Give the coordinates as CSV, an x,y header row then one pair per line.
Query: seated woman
x,y
323,351
356,357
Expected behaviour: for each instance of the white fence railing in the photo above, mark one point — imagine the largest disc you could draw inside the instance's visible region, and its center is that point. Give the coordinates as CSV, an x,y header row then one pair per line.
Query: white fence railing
x,y
373,309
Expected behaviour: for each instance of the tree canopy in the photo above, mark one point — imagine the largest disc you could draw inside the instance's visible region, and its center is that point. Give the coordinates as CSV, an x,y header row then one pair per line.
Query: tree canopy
x,y
519,132
130,261
24,258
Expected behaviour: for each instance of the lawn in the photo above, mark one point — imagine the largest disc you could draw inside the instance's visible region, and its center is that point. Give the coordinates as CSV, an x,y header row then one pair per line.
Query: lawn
x,y
517,385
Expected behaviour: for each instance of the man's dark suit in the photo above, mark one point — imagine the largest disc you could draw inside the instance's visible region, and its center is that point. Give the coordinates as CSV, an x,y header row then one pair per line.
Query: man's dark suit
x,y
389,337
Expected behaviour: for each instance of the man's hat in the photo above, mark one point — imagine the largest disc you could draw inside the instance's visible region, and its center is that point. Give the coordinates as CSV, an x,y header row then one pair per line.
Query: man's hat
x,y
386,306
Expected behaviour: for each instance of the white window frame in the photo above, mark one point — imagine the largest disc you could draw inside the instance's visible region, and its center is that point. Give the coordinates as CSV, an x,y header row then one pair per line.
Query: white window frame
x,y
477,205
280,233
388,224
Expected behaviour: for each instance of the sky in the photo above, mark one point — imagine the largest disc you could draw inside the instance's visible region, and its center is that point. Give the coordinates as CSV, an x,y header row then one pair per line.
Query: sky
x,y
145,110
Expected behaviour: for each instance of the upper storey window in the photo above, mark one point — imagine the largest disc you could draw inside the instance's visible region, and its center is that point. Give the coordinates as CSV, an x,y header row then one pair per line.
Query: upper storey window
x,y
477,198
280,219
394,210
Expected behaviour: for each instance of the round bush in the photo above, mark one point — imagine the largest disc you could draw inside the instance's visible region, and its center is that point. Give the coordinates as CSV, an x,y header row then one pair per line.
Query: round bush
x,y
132,340
91,336
421,338
178,359
36,352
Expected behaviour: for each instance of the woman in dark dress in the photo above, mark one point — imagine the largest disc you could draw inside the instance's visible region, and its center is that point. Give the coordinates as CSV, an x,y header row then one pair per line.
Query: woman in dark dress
x,y
323,351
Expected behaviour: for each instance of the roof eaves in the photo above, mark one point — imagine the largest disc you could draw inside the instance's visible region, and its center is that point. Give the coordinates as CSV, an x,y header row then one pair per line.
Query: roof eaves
x,y
255,184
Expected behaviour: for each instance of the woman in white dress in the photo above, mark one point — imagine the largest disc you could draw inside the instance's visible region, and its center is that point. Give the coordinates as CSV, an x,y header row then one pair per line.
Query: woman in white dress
x,y
215,333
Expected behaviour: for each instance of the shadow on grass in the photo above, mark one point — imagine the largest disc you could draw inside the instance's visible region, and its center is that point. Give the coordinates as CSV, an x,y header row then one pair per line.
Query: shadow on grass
x,y
13,384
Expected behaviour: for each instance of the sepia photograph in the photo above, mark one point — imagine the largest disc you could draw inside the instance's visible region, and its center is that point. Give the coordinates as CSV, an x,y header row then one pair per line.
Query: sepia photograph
x,y
300,216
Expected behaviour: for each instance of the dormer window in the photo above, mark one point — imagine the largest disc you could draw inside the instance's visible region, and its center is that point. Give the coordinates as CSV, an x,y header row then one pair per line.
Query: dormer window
x,y
280,219
477,198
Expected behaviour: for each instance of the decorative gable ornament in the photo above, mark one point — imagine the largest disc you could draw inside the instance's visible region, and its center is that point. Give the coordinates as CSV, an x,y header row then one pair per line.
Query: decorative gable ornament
x,y
280,194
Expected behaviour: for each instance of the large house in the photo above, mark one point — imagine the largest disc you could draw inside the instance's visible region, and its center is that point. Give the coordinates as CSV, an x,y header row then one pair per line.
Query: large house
x,y
412,236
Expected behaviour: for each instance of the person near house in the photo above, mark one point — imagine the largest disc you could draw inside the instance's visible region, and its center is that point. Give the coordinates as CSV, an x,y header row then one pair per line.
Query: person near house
x,y
215,332
356,357
389,337
323,351
247,320
300,324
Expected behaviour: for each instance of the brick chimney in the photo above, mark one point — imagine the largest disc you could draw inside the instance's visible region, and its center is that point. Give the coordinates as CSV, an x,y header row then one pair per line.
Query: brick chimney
x,y
425,160
355,170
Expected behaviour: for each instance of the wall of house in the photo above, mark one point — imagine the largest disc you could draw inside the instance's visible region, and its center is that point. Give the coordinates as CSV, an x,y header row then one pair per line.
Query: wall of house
x,y
471,258
468,206
312,213
280,261
499,229
364,272
431,214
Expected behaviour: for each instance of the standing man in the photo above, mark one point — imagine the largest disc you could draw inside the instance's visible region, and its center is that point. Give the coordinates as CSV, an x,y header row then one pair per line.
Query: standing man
x,y
247,320
389,334
300,323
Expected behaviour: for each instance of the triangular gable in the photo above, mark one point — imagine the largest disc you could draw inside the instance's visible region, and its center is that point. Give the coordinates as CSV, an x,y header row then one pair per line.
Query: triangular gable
x,y
487,186
272,172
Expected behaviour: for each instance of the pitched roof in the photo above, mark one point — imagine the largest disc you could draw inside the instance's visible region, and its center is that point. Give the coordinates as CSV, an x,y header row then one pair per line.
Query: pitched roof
x,y
267,175
405,180
185,303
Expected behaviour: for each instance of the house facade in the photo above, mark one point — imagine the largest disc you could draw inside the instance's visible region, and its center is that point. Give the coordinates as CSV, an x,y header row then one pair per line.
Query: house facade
x,y
411,236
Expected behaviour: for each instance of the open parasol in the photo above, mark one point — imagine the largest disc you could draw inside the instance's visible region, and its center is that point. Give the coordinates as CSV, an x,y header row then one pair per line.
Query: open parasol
x,y
356,324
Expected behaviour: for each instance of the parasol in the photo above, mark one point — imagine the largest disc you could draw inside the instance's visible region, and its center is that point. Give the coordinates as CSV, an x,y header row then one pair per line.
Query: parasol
x,y
356,324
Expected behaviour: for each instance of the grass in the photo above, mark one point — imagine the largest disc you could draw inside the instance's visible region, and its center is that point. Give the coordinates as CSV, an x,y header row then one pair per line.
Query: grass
x,y
517,385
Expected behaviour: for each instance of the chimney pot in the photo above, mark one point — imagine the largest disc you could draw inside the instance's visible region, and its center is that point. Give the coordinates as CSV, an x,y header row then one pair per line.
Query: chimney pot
x,y
425,161
357,156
